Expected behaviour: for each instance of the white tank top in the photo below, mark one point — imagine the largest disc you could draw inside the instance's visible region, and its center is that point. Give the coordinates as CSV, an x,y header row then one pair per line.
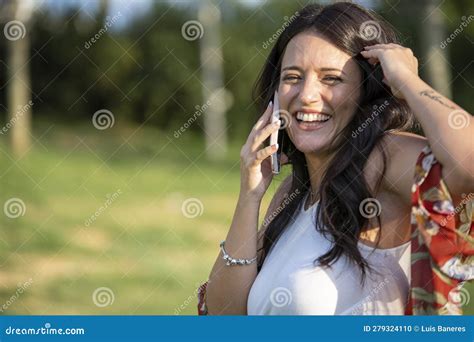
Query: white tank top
x,y
289,284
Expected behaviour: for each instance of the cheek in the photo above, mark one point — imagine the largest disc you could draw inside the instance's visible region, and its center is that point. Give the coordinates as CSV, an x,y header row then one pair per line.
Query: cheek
x,y
286,92
344,104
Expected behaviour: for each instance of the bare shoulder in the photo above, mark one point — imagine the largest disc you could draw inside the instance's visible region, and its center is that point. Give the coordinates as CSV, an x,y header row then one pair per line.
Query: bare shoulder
x,y
404,141
401,150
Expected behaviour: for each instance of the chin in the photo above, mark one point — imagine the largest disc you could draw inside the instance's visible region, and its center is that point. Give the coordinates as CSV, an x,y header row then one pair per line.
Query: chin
x,y
311,144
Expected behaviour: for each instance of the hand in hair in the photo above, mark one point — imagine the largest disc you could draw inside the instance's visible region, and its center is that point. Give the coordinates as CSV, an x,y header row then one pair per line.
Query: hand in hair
x,y
398,63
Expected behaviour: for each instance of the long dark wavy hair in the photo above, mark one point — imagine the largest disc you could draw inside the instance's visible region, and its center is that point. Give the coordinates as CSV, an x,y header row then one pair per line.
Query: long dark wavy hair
x,y
343,187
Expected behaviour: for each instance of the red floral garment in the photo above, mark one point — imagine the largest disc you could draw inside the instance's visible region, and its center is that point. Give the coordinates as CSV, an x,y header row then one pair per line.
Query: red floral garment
x,y
442,245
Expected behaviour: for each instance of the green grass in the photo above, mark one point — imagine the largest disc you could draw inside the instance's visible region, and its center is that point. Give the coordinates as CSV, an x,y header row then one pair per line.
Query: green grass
x,y
142,247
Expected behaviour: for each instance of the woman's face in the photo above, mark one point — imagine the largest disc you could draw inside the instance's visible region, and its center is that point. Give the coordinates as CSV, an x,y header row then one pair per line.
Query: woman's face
x,y
319,84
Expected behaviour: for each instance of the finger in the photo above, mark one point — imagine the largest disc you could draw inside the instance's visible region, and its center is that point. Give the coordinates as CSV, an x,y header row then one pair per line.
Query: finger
x,y
371,60
261,121
265,133
373,54
266,152
397,46
265,116
284,159
381,46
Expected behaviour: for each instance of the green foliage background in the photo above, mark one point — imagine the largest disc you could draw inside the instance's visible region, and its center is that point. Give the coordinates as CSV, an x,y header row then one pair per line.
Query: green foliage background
x,y
148,76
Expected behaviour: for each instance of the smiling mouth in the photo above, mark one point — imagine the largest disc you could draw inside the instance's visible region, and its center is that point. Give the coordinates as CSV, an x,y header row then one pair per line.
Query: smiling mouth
x,y
312,119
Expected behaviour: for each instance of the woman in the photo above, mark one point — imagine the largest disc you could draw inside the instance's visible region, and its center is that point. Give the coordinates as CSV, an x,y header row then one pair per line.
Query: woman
x,y
336,237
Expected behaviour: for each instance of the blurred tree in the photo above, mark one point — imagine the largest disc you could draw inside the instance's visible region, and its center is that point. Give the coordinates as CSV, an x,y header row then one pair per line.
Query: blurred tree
x,y
19,104
162,80
426,34
146,72
438,73
459,22
212,78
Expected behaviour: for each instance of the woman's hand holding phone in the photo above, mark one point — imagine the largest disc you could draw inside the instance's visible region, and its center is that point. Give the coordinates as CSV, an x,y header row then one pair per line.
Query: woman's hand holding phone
x,y
255,164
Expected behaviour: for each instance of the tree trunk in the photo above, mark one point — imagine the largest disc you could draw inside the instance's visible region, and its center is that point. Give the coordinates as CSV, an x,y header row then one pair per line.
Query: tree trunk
x,y
18,89
19,96
438,72
212,78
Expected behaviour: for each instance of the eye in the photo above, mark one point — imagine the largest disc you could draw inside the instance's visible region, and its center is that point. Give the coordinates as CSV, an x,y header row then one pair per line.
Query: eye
x,y
290,78
332,79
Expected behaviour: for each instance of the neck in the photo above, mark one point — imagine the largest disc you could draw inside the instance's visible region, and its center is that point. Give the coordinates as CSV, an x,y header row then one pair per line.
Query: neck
x,y
317,164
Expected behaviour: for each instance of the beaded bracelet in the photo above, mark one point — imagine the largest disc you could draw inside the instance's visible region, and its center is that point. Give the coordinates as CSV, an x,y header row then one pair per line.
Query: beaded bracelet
x,y
231,261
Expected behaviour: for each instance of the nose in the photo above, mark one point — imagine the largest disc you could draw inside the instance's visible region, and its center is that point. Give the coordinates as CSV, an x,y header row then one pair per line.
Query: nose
x,y
310,92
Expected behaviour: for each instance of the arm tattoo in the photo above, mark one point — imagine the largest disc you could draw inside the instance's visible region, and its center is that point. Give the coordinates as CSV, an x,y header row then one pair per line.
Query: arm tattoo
x,y
432,95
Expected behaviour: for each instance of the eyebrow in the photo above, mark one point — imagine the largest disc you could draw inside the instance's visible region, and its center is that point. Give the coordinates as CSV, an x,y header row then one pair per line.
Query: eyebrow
x,y
294,67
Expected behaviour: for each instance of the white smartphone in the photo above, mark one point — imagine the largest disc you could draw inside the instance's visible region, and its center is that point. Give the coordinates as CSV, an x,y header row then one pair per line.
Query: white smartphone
x,y
274,136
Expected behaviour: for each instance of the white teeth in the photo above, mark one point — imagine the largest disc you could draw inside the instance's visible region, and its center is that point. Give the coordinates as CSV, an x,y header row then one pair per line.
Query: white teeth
x,y
311,117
